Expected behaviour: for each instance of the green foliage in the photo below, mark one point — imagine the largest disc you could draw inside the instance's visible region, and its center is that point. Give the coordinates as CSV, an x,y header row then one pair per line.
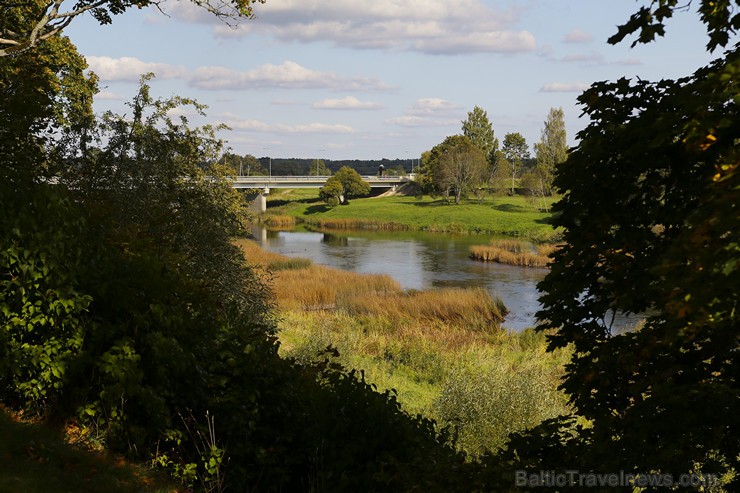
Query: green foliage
x,y
125,306
331,193
651,227
343,186
26,25
550,152
42,310
515,151
45,94
487,406
319,168
720,17
478,129
456,166
246,165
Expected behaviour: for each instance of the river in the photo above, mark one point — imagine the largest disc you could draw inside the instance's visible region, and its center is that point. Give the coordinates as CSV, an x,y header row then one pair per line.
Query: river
x,y
417,261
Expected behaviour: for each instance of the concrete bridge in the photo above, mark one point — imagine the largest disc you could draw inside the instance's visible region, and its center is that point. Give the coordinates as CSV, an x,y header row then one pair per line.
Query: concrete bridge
x,y
267,182
311,181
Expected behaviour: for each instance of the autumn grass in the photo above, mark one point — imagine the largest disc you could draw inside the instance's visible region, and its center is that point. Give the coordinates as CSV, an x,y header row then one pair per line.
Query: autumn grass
x,y
501,216
471,308
299,285
323,288
514,252
486,384
356,224
443,351
37,459
278,220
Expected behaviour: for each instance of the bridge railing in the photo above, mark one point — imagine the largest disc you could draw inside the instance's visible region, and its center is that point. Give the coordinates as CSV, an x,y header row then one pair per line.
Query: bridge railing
x,y
278,179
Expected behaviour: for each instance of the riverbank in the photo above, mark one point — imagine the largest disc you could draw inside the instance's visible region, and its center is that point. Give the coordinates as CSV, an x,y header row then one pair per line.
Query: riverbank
x,y
443,351
513,217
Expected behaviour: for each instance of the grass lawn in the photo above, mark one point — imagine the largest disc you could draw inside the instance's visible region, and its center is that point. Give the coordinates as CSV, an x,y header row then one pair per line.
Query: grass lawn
x,y
507,216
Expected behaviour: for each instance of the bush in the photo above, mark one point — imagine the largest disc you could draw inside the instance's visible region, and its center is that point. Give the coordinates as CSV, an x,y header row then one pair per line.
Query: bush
x,y
488,404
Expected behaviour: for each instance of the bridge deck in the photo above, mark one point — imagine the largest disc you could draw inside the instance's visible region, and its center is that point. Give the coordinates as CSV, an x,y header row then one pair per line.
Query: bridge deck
x,y
310,181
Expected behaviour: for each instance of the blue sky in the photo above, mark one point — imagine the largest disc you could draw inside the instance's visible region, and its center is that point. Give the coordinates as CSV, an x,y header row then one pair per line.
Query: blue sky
x,y
351,79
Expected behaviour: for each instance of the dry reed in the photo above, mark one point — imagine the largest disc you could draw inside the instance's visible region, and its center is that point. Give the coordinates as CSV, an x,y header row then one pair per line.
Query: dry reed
x,y
471,308
278,220
301,286
320,287
356,224
513,252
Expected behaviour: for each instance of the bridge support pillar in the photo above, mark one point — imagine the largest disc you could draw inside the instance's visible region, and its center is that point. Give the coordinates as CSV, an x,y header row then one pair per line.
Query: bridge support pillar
x,y
259,204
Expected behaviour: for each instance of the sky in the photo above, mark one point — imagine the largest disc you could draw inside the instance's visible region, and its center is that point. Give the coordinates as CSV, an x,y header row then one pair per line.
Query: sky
x,y
355,79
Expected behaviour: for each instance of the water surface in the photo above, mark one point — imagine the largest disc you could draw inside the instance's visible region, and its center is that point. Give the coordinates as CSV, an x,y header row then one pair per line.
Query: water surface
x,y
416,260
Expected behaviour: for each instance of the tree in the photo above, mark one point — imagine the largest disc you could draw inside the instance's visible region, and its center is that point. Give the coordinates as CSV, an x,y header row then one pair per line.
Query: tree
x,y
45,96
25,24
319,169
480,132
515,151
651,227
456,166
551,150
343,186
246,165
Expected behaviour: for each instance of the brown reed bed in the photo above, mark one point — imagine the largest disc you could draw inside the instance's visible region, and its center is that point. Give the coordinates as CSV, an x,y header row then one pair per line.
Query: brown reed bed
x,y
513,252
305,287
472,308
356,224
320,287
278,220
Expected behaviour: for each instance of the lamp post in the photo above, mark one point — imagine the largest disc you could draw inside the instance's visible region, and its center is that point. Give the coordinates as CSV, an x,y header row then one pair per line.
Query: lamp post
x,y
270,158
317,161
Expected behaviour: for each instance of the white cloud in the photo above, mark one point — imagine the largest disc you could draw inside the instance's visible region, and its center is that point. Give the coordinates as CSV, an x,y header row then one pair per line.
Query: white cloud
x,y
346,103
432,106
592,57
427,26
428,112
238,123
578,36
108,96
564,87
131,69
287,75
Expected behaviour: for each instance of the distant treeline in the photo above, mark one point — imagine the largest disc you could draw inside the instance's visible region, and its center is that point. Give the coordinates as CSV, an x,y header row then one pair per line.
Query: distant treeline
x,y
302,166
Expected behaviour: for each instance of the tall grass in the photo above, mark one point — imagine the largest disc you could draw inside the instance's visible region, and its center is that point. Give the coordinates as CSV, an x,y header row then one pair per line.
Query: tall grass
x,y
270,261
513,252
356,224
471,308
299,285
485,384
441,350
278,220
319,287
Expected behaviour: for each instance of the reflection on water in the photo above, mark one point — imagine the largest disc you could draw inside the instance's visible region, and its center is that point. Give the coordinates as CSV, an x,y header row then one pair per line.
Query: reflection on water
x,y
417,261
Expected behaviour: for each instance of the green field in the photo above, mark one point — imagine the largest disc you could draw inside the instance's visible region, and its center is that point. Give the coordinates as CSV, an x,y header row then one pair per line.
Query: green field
x,y
507,216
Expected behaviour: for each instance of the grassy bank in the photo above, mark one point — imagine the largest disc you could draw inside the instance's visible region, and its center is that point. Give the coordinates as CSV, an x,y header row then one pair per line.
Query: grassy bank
x,y
507,216
441,350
